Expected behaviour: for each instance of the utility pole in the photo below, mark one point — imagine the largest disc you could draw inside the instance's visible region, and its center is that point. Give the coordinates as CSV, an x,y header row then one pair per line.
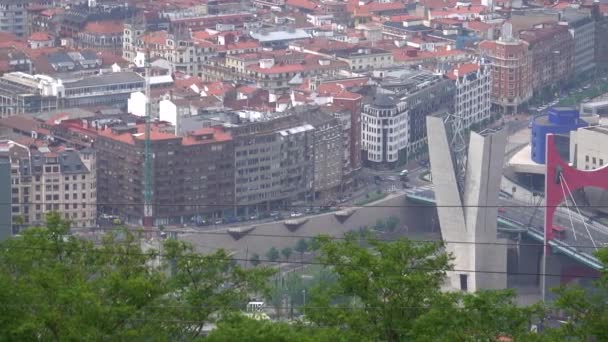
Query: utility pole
x,y
148,220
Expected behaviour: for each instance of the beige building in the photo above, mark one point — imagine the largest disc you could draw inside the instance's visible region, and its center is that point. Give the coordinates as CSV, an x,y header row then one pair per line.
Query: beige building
x,y
588,147
183,53
587,152
44,181
363,58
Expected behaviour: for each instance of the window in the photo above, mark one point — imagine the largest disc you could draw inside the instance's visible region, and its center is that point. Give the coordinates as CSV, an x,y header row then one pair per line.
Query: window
x,y
587,158
464,282
594,160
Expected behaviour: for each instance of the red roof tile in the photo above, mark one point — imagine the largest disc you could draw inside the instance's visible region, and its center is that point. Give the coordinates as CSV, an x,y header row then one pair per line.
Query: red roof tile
x,y
105,27
462,70
40,36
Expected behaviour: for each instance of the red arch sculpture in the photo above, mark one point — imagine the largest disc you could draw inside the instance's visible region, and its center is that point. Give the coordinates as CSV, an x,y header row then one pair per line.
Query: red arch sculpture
x,y
576,179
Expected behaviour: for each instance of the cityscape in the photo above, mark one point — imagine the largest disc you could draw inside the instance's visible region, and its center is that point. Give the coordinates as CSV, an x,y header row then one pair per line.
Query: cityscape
x,y
307,170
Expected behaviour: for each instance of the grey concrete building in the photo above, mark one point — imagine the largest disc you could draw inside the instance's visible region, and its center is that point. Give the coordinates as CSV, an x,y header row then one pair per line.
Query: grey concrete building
x,y
14,17
328,152
582,28
24,93
274,161
468,218
394,123
6,227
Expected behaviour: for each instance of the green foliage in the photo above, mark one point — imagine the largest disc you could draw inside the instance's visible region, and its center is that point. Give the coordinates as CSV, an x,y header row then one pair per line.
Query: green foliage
x,y
381,291
286,252
273,254
239,328
301,247
380,226
255,259
587,310
482,316
391,223
58,287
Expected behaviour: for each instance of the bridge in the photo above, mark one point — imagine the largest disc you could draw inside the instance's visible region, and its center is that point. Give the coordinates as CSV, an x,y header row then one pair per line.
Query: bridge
x,y
576,242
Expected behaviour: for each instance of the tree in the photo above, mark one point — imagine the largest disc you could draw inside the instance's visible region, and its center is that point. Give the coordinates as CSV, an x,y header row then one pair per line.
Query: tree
x,y
391,223
480,316
59,287
380,226
239,328
286,252
255,259
204,287
272,254
380,291
391,292
301,247
587,310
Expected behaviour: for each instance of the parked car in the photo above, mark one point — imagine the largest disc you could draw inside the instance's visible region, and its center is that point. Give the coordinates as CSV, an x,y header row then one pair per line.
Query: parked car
x,y
218,221
296,214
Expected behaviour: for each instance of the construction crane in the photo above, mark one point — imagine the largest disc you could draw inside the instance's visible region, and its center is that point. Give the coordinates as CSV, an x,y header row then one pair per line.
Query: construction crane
x,y
148,220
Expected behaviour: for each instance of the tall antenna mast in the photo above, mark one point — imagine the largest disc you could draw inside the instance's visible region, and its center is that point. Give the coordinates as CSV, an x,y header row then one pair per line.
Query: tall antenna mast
x,y
148,220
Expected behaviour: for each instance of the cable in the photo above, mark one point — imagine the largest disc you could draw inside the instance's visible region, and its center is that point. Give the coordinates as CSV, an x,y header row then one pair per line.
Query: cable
x,y
415,268
568,209
338,206
315,236
580,216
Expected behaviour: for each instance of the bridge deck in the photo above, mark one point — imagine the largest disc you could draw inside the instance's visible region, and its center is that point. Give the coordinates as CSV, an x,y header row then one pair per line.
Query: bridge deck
x,y
517,216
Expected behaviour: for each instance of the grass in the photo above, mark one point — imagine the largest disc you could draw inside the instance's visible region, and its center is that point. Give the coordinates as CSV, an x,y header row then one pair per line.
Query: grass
x,y
577,98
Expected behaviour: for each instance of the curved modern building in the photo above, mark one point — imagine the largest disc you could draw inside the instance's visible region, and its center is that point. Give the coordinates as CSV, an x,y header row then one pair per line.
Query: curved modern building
x,y
558,120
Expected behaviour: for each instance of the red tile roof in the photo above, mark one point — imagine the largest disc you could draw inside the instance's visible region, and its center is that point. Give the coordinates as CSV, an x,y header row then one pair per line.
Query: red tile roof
x,y
306,4
478,25
40,36
217,134
463,69
105,27
155,37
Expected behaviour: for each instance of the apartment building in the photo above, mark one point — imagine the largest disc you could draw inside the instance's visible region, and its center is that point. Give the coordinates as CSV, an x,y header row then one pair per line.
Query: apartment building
x,y
6,219
111,88
14,17
582,28
552,50
393,125
328,151
274,163
24,93
184,54
511,63
361,58
193,175
42,180
472,98
271,71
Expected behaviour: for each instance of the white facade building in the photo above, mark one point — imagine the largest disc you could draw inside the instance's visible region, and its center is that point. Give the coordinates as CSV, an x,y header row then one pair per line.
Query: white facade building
x,y
384,130
472,100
